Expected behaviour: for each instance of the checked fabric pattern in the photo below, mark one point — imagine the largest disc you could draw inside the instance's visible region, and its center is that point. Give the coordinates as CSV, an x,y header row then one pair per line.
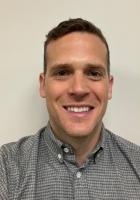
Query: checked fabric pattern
x,y
40,167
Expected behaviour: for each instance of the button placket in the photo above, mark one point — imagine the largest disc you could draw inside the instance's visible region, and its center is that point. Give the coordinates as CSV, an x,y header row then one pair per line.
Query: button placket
x,y
80,186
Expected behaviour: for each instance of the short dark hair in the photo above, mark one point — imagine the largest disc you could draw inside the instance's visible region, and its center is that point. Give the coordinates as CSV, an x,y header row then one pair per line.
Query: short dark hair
x,y
74,25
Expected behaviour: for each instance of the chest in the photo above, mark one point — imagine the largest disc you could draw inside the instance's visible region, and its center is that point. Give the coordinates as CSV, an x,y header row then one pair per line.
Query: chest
x,y
104,180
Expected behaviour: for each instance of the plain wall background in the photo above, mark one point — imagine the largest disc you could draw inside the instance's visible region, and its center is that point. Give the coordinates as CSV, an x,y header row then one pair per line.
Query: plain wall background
x,y
23,26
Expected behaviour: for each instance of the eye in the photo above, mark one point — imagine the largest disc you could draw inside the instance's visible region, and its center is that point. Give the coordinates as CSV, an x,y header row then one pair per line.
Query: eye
x,y
94,75
62,73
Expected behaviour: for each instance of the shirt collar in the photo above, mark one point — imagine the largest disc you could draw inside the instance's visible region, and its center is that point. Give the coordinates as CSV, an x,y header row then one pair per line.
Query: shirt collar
x,y
95,154
56,146
102,139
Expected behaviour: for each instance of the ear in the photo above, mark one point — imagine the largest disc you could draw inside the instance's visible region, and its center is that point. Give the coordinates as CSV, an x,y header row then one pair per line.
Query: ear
x,y
42,85
111,81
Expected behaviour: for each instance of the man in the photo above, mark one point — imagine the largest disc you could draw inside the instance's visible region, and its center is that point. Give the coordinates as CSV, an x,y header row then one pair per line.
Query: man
x,y
74,157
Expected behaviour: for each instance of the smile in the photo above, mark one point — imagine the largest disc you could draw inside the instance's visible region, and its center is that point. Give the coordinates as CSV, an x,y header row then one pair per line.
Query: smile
x,y
78,109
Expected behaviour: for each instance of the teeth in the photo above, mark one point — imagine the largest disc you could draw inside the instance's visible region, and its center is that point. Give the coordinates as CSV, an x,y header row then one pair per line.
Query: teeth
x,y
78,109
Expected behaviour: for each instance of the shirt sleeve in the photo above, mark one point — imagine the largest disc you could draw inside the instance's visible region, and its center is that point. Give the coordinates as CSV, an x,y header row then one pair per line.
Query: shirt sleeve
x,y
3,177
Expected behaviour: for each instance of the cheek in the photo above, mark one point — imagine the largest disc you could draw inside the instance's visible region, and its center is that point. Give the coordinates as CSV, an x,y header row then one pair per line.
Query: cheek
x,y
54,91
101,92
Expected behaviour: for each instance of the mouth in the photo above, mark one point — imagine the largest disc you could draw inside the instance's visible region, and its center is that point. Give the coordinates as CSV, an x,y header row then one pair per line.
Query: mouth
x,y
78,109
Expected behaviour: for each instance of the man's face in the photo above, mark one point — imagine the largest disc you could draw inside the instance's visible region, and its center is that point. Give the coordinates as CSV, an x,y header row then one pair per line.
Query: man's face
x,y
76,85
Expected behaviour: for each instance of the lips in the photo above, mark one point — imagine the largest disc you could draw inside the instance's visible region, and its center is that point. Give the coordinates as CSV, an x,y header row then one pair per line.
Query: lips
x,y
76,109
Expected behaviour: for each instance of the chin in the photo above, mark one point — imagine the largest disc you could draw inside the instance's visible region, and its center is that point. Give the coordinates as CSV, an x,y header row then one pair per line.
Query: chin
x,y
78,131
83,130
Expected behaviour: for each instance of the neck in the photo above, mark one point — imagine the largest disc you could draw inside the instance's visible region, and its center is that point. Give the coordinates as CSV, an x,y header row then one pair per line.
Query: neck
x,y
82,146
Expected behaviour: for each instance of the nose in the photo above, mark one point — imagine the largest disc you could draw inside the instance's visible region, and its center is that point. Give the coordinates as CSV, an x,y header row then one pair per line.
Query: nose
x,y
79,85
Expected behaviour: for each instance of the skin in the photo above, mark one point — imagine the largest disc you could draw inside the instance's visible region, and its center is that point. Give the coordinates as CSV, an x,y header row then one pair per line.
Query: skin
x,y
77,77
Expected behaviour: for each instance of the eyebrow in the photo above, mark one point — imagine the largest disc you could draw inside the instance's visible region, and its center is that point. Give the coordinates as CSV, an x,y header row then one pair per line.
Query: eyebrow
x,y
96,66
88,65
60,66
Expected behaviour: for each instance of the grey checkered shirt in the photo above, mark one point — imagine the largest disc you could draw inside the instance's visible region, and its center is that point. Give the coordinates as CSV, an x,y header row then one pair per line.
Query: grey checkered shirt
x,y
40,167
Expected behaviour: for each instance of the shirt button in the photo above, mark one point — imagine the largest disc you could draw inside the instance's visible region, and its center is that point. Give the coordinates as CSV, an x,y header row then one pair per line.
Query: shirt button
x,y
66,150
78,174
98,155
59,156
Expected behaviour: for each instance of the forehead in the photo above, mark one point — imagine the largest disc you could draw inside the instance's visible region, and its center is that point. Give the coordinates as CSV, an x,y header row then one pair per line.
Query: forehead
x,y
78,45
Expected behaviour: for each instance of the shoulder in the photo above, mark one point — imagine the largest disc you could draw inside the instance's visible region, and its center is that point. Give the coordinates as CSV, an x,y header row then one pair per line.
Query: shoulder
x,y
22,147
123,146
124,154
18,159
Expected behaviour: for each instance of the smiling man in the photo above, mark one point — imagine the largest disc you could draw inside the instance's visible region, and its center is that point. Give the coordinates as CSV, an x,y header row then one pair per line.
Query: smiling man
x,y
74,156
77,86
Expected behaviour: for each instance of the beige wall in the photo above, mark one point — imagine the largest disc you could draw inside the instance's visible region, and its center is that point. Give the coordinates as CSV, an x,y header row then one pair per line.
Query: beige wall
x,y
23,25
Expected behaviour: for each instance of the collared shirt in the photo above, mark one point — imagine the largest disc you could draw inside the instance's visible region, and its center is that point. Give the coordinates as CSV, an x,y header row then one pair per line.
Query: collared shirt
x,y
40,167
